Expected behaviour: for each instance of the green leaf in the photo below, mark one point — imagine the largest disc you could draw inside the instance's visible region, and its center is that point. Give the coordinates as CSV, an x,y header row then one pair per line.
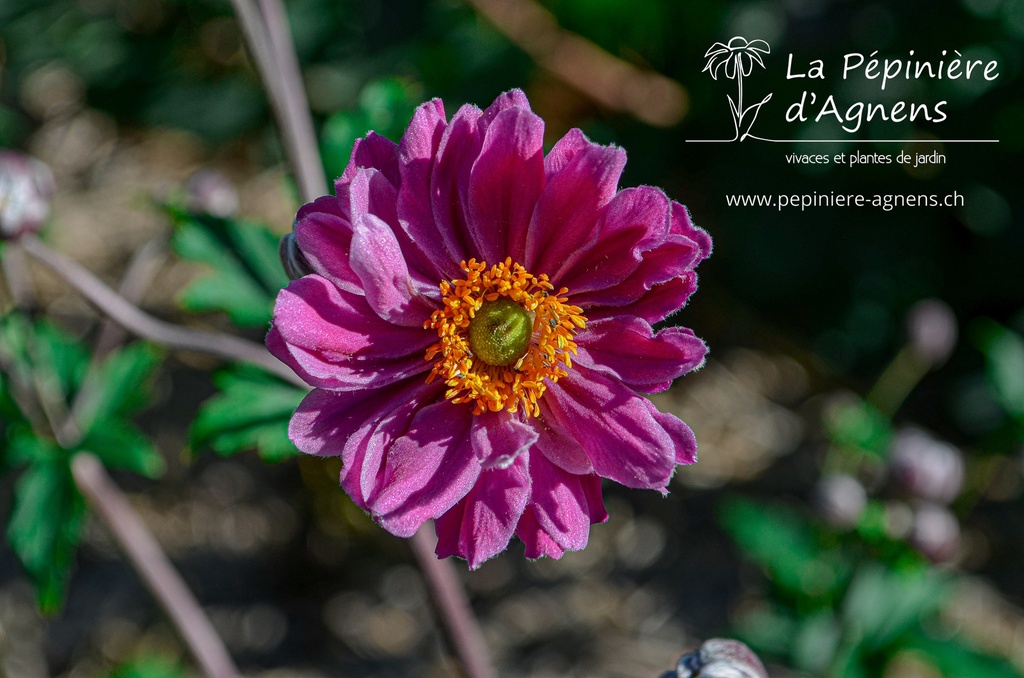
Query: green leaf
x,y
244,273
1004,363
882,604
956,661
149,667
45,527
251,412
784,544
861,426
118,385
121,445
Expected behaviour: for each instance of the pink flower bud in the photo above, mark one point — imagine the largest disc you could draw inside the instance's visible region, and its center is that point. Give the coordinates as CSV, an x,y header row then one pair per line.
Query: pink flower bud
x,y
936,533
840,500
926,467
932,330
26,191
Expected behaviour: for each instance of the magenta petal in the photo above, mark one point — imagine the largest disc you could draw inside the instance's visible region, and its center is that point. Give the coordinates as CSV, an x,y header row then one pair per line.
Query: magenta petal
x,y
378,260
682,436
565,218
416,153
324,234
370,193
537,541
635,221
374,151
615,426
564,150
500,437
359,426
559,503
514,98
595,501
683,225
500,208
334,340
480,526
626,347
558,446
449,185
428,470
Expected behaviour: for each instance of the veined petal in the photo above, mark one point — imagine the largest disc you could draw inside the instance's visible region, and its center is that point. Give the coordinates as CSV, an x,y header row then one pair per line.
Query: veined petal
x,y
615,426
627,348
480,526
374,151
324,235
427,471
500,437
334,340
378,261
536,539
565,218
449,187
500,208
560,503
636,220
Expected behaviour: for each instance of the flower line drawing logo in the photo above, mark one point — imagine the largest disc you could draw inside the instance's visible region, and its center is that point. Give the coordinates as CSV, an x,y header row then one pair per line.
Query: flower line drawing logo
x,y
736,60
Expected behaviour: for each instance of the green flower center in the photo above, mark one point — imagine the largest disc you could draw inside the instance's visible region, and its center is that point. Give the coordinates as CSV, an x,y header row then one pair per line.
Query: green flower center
x,y
500,332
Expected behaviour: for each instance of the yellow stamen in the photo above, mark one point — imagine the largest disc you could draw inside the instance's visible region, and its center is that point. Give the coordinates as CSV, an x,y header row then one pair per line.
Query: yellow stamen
x,y
502,387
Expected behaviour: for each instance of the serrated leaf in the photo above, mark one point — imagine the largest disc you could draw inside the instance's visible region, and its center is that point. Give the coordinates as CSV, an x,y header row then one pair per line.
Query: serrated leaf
x,y
45,527
120,445
118,385
251,411
244,273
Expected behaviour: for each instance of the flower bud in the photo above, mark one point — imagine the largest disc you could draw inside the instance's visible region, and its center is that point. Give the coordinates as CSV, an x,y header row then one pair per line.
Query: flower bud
x,y
936,533
292,258
932,330
720,658
925,467
210,192
26,191
840,500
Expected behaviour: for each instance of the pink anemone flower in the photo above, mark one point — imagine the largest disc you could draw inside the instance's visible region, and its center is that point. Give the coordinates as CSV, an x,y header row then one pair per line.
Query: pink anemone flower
x,y
478,330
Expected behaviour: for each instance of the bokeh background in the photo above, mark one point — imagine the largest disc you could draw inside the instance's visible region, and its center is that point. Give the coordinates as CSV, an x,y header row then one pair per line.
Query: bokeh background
x,y
805,312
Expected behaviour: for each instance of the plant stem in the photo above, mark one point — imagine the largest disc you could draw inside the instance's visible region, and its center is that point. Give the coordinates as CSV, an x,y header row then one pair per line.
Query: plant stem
x,y
152,564
450,598
270,43
135,320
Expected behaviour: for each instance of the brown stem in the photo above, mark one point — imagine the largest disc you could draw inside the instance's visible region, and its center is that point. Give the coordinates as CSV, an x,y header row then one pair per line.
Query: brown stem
x,y
451,600
152,564
133,319
266,32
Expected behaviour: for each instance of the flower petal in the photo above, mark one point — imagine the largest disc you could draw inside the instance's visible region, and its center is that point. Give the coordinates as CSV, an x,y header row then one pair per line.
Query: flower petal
x,y
480,526
324,234
514,98
564,150
537,541
560,447
565,218
560,503
378,261
683,440
374,151
428,470
416,154
627,348
636,220
504,184
334,340
615,426
449,186
499,438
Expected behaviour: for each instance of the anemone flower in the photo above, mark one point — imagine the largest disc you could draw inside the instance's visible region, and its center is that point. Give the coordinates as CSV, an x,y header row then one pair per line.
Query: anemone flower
x,y
477,330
